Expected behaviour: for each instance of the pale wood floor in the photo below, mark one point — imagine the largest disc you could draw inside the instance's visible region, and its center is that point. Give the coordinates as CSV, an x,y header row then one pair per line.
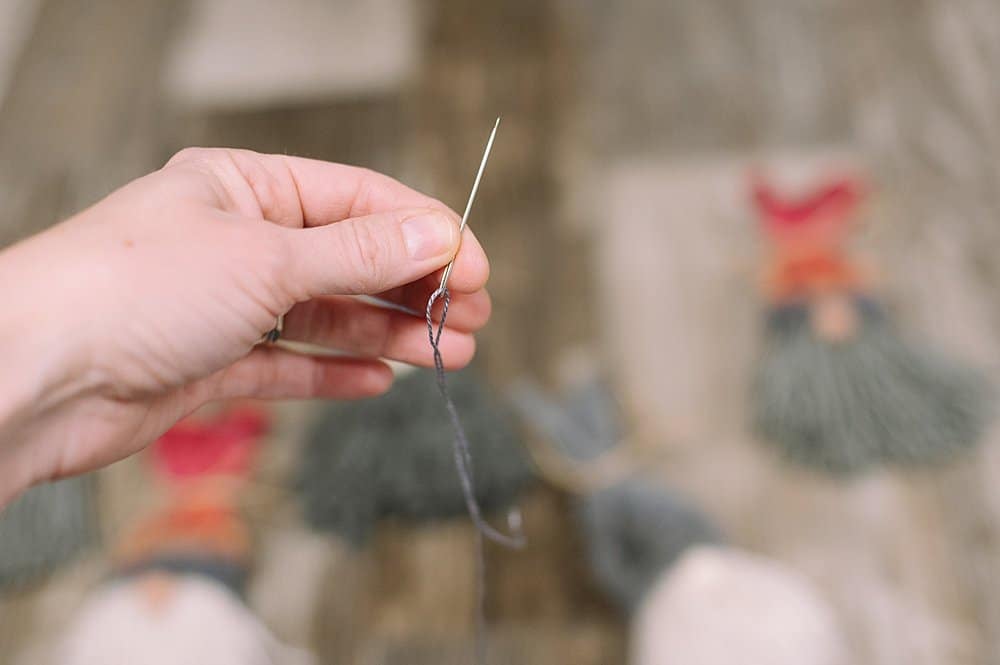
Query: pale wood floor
x,y
614,220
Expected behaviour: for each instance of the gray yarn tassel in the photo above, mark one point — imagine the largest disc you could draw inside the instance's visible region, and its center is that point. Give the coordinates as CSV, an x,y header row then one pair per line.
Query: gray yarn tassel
x,y
872,399
382,458
44,528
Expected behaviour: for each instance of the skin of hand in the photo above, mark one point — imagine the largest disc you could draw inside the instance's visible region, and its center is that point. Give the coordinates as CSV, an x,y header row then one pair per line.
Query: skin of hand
x,y
130,315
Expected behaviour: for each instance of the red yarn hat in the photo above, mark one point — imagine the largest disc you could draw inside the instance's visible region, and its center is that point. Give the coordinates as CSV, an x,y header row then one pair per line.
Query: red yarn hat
x,y
224,445
838,199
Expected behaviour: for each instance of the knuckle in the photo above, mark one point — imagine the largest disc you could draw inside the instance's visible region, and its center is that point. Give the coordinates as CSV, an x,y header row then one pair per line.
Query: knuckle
x,y
205,163
468,354
311,320
277,254
486,310
364,197
192,154
314,379
367,252
367,335
271,377
271,187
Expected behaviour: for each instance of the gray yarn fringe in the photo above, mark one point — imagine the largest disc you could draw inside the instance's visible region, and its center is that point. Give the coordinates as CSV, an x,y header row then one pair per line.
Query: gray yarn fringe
x,y
873,399
634,530
392,457
44,528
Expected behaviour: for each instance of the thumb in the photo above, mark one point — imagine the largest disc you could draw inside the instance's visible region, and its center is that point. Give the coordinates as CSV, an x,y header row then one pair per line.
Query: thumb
x,y
375,253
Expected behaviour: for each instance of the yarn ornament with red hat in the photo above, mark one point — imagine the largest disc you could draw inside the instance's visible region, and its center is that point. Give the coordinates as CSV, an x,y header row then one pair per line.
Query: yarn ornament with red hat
x,y
177,590
838,387
203,463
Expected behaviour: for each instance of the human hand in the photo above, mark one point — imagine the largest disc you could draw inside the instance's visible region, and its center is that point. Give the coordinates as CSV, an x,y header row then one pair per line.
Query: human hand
x,y
151,303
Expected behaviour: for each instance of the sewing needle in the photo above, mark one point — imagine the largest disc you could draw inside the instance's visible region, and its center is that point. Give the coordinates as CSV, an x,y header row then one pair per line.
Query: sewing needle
x,y
468,206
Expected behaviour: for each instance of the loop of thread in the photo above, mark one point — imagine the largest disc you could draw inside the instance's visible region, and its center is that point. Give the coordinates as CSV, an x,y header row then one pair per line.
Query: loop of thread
x,y
463,457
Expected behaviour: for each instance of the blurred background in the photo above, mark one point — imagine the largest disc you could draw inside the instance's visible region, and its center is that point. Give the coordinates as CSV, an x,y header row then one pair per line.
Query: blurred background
x,y
615,396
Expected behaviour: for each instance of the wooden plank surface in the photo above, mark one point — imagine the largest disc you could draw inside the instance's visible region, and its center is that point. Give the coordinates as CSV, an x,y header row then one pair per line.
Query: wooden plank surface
x,y
612,214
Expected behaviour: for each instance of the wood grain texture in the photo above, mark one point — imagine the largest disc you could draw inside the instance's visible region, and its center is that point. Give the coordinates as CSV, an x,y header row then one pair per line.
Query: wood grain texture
x,y
612,212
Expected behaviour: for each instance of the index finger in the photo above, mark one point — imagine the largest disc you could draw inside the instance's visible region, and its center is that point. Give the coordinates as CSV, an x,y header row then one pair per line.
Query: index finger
x,y
299,192
329,192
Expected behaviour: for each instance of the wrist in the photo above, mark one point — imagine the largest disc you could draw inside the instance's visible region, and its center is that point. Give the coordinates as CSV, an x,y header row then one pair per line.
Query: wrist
x,y
41,363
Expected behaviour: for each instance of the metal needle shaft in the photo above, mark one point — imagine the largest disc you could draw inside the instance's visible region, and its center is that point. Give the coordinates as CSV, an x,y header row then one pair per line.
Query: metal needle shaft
x,y
468,206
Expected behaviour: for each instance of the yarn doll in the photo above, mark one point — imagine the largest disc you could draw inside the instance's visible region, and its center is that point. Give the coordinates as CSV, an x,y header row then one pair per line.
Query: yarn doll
x,y
45,528
837,387
176,593
203,464
392,457
691,599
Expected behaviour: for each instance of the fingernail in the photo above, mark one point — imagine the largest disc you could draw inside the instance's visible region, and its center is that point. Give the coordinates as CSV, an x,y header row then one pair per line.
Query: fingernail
x,y
428,235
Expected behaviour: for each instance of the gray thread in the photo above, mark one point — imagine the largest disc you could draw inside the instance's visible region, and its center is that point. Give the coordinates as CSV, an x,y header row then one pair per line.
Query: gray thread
x,y
463,464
